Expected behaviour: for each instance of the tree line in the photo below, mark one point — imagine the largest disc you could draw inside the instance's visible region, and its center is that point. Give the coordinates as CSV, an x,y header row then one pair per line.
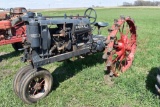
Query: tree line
x,y
142,3
1,8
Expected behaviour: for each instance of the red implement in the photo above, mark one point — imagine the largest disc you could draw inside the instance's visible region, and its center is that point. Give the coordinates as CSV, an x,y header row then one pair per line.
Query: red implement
x,y
121,46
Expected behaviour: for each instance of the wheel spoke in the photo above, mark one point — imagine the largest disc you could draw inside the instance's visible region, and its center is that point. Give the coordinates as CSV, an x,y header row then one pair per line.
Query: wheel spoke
x,y
120,66
90,12
121,30
125,61
92,17
42,81
115,59
123,27
34,92
128,31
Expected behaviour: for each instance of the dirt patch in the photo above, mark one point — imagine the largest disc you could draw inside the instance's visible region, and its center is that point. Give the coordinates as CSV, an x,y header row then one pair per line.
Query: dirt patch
x,y
108,80
3,53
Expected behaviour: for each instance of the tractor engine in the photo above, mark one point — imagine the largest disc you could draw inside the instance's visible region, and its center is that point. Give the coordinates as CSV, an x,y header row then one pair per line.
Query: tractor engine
x,y
60,39
53,37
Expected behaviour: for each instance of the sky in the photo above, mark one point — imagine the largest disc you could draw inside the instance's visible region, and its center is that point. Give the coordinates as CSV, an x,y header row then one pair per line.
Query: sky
x,y
41,4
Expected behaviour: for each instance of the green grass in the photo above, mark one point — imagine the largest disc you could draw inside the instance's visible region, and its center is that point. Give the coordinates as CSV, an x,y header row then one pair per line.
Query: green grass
x,y
81,84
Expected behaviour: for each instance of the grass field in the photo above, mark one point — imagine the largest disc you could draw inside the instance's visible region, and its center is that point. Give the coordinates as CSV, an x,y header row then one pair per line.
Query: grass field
x,y
81,83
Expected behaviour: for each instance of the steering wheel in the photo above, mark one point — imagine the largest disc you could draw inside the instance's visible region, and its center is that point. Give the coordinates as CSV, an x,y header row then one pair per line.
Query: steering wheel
x,y
11,12
91,14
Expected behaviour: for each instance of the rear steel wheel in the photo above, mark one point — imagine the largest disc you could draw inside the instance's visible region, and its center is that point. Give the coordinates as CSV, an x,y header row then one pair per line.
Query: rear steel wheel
x,y
121,46
35,85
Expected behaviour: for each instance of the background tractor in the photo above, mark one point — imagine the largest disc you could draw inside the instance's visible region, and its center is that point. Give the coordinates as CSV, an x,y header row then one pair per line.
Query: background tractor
x,y
12,28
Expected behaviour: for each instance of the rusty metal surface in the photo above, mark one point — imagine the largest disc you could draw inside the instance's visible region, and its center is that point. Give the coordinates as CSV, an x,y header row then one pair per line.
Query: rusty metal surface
x,y
5,24
119,53
3,15
19,10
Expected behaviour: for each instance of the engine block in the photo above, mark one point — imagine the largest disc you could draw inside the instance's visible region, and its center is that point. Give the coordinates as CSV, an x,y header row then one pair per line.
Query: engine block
x,y
59,39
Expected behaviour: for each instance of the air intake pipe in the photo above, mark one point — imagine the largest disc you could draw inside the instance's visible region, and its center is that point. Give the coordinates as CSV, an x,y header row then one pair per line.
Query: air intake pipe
x,y
34,37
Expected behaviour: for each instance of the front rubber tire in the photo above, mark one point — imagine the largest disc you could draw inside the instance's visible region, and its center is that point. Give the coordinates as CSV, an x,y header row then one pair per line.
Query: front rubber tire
x,y
27,82
19,75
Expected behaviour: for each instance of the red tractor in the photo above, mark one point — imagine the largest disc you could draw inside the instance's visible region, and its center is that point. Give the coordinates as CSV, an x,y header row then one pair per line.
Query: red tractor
x,y
12,28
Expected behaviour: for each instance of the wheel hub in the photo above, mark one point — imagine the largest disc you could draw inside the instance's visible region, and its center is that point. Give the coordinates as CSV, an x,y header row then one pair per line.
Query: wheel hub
x,y
122,47
38,86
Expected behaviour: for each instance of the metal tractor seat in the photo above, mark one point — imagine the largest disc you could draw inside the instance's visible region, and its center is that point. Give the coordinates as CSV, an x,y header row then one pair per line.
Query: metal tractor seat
x,y
99,25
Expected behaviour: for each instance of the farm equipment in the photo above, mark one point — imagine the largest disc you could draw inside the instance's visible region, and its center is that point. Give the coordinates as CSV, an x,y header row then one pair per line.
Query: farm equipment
x,y
12,28
58,38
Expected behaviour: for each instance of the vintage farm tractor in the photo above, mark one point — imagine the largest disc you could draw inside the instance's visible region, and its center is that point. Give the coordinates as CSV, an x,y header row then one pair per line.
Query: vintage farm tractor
x,y
70,36
12,28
